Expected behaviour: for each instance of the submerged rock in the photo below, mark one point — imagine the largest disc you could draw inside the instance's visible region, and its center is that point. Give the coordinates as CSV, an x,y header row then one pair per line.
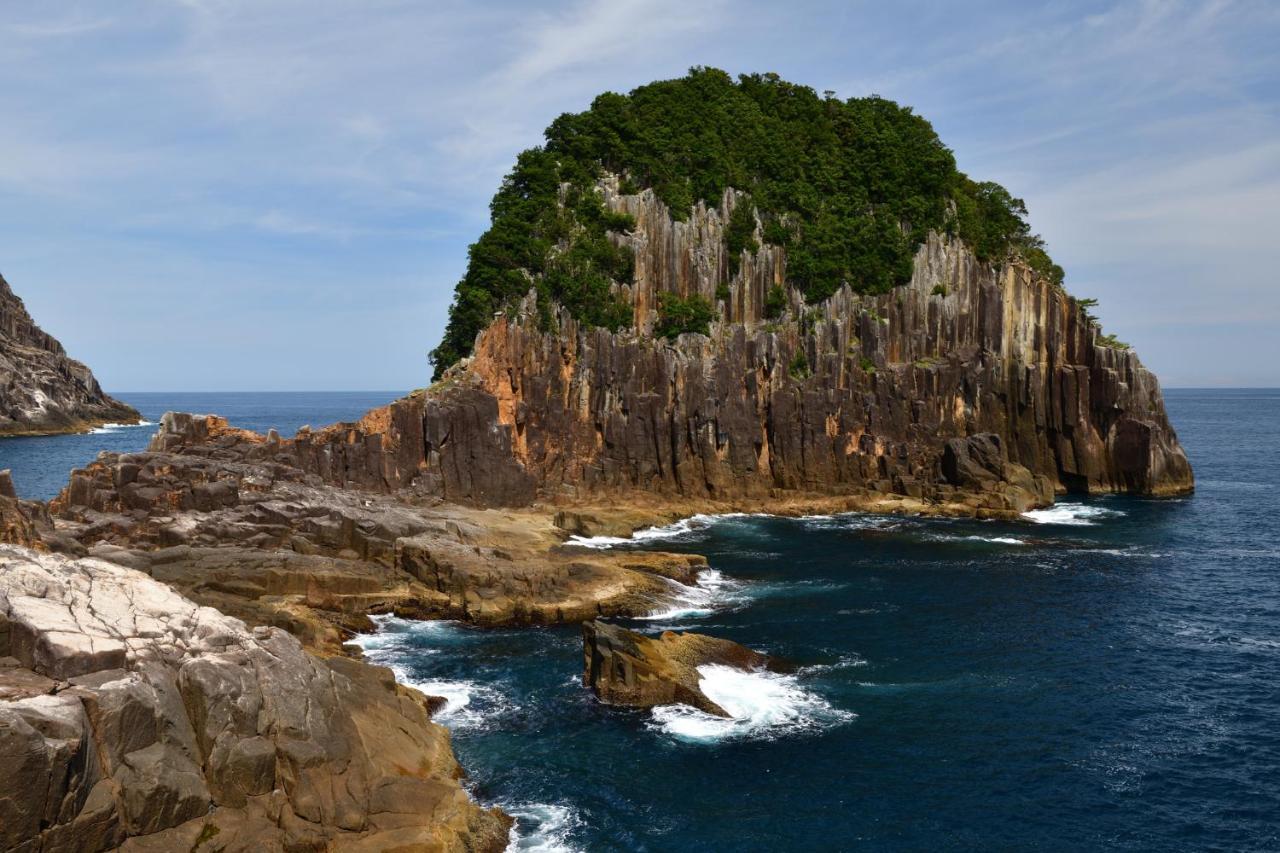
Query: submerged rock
x,y
132,718
42,390
625,668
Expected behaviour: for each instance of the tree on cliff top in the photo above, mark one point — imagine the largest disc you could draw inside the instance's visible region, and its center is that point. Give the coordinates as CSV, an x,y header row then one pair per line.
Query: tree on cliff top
x,y
850,187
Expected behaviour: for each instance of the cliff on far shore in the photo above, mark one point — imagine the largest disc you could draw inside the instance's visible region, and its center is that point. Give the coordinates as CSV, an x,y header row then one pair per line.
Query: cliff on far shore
x,y
42,390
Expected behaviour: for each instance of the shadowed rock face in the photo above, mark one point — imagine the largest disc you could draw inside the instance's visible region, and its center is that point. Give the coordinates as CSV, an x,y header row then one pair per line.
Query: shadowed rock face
x,y
132,718
857,393
41,389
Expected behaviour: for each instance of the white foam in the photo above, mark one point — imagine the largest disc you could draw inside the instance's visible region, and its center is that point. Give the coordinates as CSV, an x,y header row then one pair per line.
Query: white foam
x,y
541,827
107,428
1073,514
713,591
761,704
468,704
683,527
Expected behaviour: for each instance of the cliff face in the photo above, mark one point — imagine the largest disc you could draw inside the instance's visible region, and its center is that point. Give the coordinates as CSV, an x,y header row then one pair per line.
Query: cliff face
x,y
971,379
42,390
980,388
132,719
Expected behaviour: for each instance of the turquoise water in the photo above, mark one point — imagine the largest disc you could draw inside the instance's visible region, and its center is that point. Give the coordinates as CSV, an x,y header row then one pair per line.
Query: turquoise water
x,y
1105,675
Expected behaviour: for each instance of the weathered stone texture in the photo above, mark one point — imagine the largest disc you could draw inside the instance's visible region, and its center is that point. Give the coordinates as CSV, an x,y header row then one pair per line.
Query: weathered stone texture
x,y
858,392
132,718
42,390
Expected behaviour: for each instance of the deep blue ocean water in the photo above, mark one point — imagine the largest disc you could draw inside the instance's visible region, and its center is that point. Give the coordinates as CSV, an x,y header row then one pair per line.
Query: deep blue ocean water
x,y
1103,676
40,464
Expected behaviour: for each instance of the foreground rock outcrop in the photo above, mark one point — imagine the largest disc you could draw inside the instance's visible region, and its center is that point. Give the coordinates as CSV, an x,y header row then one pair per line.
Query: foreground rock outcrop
x,y
625,668
297,533
132,718
42,390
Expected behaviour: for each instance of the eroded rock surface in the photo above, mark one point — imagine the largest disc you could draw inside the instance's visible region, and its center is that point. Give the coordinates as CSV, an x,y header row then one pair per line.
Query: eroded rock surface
x,y
859,392
132,718
234,520
42,390
625,668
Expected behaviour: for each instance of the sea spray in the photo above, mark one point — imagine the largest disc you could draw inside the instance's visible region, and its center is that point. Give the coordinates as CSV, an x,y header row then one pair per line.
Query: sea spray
x,y
713,591
1071,514
676,530
468,704
761,704
541,827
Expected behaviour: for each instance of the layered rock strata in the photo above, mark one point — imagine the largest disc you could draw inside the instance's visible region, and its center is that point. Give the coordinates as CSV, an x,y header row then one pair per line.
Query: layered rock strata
x,y
625,668
42,390
245,523
133,719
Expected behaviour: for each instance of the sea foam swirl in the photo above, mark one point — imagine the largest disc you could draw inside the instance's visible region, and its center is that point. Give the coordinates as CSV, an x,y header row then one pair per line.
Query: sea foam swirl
x,y
468,704
1071,514
761,704
541,827
676,530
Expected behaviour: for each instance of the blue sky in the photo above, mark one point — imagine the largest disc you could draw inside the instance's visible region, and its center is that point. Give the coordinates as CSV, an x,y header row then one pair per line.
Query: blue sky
x,y
245,195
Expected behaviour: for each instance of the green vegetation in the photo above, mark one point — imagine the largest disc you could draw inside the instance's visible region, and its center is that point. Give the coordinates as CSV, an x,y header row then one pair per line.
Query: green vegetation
x,y
799,367
850,187
1111,341
868,366
1108,340
740,235
775,302
939,290
677,315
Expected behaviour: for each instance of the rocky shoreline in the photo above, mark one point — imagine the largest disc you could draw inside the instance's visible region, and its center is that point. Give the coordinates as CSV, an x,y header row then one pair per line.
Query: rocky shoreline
x,y
42,390
223,563
294,541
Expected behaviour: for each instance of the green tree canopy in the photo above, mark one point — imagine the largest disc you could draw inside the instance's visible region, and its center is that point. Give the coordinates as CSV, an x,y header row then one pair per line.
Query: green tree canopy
x,y
850,187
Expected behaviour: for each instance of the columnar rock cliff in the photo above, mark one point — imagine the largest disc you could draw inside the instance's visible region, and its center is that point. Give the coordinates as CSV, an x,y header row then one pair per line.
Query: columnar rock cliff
x,y
41,389
132,719
973,385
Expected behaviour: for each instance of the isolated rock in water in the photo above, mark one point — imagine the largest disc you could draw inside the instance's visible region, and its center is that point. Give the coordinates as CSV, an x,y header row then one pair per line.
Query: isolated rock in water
x,y
855,392
41,389
132,718
626,668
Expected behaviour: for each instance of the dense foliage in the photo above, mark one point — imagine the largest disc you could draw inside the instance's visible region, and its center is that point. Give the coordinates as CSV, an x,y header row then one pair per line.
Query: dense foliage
x,y
677,315
850,188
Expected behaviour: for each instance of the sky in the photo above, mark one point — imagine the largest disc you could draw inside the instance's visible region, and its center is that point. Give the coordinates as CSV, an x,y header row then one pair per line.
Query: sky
x,y
244,195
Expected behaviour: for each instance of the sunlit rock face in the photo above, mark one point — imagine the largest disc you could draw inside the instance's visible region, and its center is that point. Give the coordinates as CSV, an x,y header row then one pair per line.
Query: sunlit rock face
x,y
857,392
42,390
133,719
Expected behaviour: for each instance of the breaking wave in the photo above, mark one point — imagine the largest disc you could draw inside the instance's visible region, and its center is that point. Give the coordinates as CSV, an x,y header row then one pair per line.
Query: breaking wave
x,y
761,704
468,704
676,530
1072,514
541,827
109,428
713,591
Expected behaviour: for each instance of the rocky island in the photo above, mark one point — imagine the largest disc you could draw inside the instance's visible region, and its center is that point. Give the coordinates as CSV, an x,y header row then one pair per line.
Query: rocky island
x,y
641,335
42,390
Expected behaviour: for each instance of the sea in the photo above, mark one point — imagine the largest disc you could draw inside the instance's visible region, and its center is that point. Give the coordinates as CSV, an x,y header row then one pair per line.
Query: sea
x,y
1100,675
